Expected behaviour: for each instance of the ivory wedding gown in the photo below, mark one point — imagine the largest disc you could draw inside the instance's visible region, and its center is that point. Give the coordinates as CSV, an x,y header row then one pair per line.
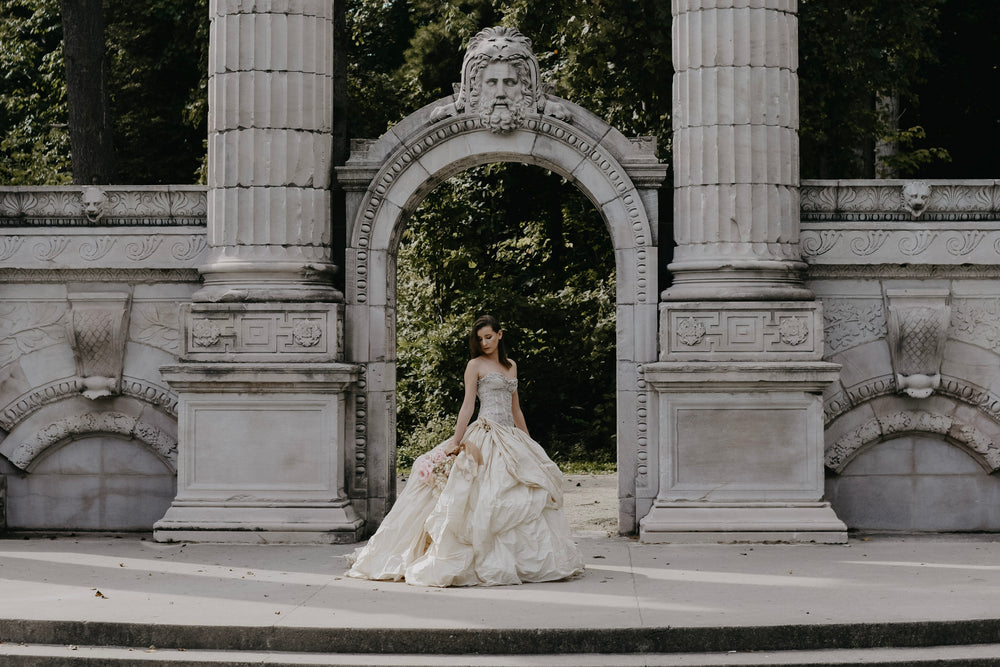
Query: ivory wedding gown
x,y
460,524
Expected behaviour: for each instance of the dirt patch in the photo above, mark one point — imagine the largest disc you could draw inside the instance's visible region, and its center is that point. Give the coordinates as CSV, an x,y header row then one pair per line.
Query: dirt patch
x,y
591,503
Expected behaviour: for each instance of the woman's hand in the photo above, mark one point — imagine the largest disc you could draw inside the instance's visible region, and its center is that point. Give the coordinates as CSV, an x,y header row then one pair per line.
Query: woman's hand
x,y
474,452
451,447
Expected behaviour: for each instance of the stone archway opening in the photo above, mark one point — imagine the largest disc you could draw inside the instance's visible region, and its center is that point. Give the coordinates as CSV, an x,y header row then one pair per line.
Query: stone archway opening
x,y
526,245
386,180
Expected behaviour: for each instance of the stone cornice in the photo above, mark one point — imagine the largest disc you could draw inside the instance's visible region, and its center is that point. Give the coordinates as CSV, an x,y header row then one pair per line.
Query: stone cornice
x,y
106,205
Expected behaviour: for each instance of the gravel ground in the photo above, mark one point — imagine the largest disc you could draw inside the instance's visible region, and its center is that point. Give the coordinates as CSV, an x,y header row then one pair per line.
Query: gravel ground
x,y
591,504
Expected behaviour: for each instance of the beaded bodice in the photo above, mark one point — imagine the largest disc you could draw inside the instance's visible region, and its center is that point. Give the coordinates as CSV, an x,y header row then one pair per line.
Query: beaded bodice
x,y
495,394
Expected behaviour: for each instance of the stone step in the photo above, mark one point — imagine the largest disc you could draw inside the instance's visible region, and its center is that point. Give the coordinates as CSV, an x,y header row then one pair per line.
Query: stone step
x,y
36,655
512,641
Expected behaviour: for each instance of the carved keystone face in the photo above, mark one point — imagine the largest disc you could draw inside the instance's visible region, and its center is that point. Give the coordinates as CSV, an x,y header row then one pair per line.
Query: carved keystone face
x,y
500,85
501,97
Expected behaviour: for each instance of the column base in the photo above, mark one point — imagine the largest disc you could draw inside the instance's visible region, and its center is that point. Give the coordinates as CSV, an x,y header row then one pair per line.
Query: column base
x,y
712,523
336,524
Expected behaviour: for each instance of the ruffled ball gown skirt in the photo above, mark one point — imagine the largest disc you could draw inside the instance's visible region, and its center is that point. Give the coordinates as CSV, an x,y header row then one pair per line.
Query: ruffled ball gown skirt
x,y
467,525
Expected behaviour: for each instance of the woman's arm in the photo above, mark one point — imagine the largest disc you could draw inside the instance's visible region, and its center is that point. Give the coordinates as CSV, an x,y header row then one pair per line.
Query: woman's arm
x,y
465,414
515,408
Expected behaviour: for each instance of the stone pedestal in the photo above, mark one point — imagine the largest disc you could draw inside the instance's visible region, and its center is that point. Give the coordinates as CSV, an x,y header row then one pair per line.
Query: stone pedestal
x,y
262,416
741,453
737,390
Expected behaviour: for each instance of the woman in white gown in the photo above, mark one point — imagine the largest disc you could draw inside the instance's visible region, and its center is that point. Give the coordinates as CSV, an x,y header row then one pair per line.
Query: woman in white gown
x,y
484,507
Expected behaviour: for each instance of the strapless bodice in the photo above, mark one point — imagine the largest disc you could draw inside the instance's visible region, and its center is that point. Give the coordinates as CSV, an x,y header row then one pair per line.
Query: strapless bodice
x,y
495,394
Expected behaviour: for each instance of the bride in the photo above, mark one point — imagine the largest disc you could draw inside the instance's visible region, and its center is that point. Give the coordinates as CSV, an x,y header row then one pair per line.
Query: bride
x,y
483,508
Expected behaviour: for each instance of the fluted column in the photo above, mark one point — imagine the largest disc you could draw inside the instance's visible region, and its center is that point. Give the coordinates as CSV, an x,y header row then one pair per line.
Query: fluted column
x,y
736,151
270,92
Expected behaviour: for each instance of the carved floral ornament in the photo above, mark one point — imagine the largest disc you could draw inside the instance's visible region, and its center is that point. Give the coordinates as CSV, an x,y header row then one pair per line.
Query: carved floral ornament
x,y
500,83
897,424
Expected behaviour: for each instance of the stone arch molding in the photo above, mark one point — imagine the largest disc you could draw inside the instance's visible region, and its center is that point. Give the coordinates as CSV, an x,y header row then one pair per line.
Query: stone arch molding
x,y
73,427
385,181
898,424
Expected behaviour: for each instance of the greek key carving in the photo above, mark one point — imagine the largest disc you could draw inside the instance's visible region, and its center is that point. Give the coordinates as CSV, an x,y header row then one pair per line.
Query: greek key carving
x,y
303,332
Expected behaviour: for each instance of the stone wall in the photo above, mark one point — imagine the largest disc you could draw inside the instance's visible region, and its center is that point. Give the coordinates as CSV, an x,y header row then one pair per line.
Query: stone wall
x,y
909,280
90,282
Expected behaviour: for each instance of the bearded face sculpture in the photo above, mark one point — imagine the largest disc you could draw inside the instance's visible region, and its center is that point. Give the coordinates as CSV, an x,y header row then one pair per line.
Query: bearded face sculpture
x,y
500,83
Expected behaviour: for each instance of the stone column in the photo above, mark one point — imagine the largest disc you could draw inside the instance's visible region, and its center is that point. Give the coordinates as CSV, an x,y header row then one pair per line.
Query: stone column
x,y
736,151
270,96
265,400
737,390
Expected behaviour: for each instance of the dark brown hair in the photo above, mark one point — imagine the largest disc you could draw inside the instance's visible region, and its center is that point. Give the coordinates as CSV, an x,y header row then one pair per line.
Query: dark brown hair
x,y
475,350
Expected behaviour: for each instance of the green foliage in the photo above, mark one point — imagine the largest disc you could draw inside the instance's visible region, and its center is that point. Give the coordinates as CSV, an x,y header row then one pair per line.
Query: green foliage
x,y
909,158
34,136
851,53
158,62
519,243
158,66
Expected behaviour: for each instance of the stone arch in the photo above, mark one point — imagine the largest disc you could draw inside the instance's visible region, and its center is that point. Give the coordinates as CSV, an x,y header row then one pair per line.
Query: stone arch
x,y
27,451
905,422
385,181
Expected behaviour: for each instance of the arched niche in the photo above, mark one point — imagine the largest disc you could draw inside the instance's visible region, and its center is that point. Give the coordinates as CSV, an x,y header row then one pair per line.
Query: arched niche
x,y
385,181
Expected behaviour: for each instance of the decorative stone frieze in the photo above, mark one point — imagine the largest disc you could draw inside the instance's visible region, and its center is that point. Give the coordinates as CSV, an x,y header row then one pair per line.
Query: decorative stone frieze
x,y
977,321
260,332
741,331
98,327
917,326
108,205
891,200
26,452
885,427
111,248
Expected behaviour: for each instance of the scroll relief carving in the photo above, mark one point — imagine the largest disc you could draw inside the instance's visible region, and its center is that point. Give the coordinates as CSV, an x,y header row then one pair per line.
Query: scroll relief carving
x,y
97,331
917,327
500,83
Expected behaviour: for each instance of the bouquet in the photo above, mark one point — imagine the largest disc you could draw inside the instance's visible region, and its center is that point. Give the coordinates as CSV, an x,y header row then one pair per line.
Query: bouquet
x,y
433,468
